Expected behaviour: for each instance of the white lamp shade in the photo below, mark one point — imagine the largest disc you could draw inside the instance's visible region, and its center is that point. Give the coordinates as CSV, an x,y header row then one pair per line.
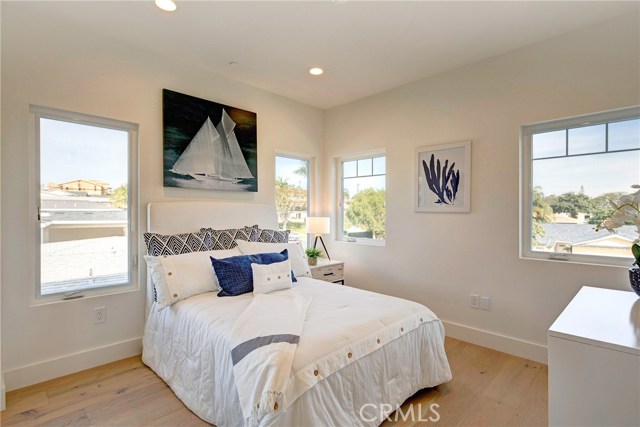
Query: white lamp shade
x,y
318,225
168,5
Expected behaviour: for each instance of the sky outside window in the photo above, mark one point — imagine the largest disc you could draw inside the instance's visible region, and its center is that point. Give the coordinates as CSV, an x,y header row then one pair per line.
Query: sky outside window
x,y
289,170
71,151
624,135
362,174
589,139
596,174
592,170
549,144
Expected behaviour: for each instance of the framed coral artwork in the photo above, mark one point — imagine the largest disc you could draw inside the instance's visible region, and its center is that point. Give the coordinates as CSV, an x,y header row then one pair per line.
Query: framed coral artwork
x,y
443,175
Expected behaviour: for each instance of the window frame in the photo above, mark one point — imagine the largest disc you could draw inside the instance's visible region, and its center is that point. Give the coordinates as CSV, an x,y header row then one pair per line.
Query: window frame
x,y
526,183
310,174
339,226
133,283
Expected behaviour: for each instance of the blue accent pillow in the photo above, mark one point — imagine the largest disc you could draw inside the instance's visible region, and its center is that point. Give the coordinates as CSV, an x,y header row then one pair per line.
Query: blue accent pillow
x,y
235,275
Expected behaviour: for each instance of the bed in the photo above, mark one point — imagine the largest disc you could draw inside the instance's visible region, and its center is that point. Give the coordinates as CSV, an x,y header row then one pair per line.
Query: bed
x,y
360,354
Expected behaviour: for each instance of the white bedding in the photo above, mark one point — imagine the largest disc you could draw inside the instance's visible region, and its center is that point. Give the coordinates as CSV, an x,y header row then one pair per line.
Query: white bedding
x,y
338,368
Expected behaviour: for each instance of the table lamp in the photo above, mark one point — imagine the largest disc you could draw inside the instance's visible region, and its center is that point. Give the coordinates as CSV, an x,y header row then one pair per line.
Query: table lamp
x,y
319,225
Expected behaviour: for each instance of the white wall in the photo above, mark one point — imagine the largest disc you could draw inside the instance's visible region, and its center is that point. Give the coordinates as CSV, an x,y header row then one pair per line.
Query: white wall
x,y
76,71
438,259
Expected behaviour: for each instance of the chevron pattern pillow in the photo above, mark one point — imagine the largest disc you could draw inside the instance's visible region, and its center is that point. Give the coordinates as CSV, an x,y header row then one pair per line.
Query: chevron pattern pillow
x,y
273,236
226,239
176,244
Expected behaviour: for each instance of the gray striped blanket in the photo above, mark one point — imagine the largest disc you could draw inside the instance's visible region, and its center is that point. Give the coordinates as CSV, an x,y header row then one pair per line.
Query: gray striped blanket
x,y
263,344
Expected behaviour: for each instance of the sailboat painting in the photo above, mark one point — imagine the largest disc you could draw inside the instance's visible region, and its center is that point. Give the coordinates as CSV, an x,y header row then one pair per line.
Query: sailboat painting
x,y
207,145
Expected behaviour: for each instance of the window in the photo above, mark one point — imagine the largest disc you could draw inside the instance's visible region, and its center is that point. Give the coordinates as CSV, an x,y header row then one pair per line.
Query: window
x,y
362,199
570,168
85,204
292,195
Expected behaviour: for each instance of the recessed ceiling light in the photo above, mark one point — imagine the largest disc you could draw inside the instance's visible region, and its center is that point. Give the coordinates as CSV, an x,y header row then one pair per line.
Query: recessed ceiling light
x,y
168,5
316,71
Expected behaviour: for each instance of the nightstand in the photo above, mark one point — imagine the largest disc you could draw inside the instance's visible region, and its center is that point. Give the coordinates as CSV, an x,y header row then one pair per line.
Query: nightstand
x,y
328,270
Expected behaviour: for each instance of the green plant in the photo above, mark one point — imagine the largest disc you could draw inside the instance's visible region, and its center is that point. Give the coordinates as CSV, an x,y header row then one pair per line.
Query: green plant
x,y
313,253
625,211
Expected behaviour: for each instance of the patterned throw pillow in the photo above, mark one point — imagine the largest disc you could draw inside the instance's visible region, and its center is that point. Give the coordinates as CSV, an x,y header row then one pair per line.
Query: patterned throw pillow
x,y
176,244
235,275
297,256
272,236
226,239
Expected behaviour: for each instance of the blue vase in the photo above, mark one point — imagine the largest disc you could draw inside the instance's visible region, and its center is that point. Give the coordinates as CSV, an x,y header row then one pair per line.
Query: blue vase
x,y
634,279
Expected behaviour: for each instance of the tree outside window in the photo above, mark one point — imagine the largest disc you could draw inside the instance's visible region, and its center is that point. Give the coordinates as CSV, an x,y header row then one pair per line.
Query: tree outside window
x,y
292,194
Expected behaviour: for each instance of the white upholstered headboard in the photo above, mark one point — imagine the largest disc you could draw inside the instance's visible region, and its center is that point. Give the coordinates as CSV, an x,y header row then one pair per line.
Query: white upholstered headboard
x,y
184,217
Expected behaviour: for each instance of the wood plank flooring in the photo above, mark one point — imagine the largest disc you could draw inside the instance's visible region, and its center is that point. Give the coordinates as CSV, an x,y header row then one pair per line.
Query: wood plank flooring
x,y
489,388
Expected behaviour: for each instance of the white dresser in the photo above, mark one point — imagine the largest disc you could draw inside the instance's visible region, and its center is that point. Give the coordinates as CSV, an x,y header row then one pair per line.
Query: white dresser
x,y
594,360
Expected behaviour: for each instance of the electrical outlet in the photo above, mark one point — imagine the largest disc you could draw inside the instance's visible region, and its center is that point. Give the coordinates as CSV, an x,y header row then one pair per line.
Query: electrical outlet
x,y
99,315
474,301
485,303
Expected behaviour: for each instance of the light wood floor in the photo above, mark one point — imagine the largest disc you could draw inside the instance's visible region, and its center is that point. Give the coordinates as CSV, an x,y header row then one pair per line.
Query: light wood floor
x,y
489,388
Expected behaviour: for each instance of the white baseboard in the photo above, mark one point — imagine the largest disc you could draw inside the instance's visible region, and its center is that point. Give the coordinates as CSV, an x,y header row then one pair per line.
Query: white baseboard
x,y
506,344
3,393
53,368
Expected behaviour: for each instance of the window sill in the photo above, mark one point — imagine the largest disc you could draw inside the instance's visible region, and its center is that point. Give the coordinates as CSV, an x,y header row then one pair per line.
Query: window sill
x,y
87,294
580,260
366,242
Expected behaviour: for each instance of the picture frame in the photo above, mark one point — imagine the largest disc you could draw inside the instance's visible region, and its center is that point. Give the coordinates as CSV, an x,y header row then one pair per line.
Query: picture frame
x,y
443,178
207,145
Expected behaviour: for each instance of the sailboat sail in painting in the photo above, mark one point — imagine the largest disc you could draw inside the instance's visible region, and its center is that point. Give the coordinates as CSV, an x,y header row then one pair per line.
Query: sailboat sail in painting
x,y
214,153
200,154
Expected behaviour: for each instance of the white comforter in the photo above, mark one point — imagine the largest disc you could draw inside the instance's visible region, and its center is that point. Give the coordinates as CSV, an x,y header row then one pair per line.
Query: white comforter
x,y
356,348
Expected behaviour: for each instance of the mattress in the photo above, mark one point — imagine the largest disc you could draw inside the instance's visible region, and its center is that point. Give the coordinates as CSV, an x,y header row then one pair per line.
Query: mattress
x,y
360,353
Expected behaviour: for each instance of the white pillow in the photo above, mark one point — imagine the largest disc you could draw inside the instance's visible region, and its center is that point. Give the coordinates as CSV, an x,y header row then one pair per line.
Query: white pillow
x,y
297,255
271,277
177,277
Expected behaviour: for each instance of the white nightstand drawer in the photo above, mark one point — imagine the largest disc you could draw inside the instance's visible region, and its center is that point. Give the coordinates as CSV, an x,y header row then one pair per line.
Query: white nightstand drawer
x,y
330,272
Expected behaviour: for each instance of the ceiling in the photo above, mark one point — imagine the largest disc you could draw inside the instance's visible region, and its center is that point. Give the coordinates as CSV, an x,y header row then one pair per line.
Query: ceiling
x,y
364,47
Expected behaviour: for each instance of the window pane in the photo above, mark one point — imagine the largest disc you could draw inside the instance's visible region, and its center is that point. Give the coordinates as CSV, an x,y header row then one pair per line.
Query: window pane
x,y
588,139
83,203
624,135
549,144
570,198
349,169
292,195
570,193
364,167
364,204
379,166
